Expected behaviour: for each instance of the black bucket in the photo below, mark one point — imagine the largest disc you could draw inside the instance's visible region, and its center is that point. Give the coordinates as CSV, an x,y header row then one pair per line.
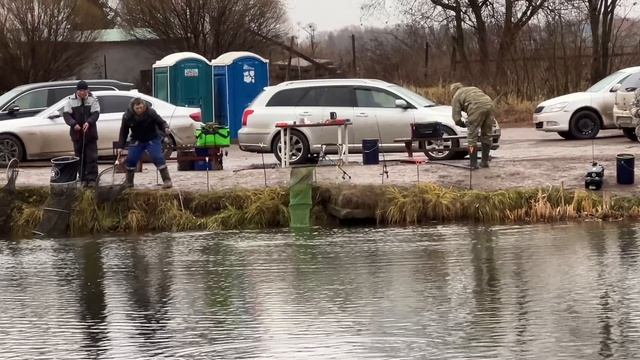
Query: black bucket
x,y
64,169
370,152
625,164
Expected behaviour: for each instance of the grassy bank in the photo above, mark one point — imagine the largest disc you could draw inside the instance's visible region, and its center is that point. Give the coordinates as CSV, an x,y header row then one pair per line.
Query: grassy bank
x,y
510,110
160,211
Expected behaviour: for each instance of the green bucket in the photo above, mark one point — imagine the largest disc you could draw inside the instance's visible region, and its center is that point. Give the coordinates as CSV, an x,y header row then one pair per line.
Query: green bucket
x,y
217,136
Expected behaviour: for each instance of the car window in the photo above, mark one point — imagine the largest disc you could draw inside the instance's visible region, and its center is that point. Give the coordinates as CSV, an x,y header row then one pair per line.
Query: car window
x,y
313,97
336,96
341,96
36,99
375,98
633,81
607,81
58,94
114,104
287,97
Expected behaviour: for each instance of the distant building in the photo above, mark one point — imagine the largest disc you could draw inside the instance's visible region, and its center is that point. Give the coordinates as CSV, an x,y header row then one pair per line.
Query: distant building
x,y
122,55
301,69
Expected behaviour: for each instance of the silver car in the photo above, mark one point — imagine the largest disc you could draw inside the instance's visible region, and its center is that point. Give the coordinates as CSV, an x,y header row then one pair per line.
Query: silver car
x,y
377,109
46,135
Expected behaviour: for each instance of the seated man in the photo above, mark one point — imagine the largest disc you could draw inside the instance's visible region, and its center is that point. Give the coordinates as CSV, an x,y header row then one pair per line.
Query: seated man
x,y
147,128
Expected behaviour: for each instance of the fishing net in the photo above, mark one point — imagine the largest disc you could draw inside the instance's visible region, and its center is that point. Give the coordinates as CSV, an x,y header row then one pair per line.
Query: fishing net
x,y
110,183
12,174
300,196
57,210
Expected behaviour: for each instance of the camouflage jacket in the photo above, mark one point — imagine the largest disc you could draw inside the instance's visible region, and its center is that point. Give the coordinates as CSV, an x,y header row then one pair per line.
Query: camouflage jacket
x,y
470,100
635,105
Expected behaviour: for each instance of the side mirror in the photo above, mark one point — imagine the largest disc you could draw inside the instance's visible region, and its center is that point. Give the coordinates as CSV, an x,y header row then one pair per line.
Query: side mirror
x,y
53,116
401,104
615,88
13,109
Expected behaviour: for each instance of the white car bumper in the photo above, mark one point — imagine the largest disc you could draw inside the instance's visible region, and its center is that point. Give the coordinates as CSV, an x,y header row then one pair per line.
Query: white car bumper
x,y
552,122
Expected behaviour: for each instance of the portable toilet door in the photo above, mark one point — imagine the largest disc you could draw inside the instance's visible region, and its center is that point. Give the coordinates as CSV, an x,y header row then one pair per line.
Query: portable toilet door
x,y
185,79
239,77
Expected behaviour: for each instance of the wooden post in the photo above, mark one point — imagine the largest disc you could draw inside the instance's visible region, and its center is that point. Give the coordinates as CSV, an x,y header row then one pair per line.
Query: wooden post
x,y
353,50
105,66
426,62
286,78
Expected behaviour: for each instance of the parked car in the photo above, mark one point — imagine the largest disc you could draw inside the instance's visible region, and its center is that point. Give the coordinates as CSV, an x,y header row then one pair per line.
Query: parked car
x,y
30,99
625,96
582,115
377,109
46,135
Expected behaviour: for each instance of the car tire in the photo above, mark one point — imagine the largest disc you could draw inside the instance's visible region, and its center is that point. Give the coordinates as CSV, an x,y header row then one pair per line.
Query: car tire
x,y
566,135
630,134
299,148
10,148
447,155
584,125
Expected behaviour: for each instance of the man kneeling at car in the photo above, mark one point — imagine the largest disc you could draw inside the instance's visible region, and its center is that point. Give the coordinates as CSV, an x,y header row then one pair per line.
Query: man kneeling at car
x,y
147,129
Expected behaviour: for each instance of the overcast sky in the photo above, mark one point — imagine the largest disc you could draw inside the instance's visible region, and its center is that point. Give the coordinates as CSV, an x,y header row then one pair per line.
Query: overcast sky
x,y
330,14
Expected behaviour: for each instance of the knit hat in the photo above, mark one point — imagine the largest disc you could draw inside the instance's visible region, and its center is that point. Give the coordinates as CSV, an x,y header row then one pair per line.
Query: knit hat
x,y
455,87
82,85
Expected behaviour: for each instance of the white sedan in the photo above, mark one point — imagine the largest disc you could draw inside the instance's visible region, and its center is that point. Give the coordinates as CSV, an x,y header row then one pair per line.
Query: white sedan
x,y
46,135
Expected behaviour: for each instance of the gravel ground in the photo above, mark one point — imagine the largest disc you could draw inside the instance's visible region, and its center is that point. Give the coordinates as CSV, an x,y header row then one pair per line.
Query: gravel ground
x,y
526,158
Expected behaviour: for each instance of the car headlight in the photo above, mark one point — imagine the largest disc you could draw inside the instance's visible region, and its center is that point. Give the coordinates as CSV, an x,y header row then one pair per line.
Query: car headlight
x,y
555,107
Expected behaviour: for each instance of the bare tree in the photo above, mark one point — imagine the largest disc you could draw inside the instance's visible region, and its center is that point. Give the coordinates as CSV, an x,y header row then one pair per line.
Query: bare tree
x,y
207,27
38,41
601,18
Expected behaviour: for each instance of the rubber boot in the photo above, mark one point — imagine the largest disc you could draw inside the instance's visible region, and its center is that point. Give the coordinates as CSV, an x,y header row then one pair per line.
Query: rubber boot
x,y
473,157
128,182
166,179
486,149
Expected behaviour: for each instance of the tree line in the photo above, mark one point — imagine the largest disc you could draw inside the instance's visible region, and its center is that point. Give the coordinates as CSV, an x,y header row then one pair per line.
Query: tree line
x,y
45,40
525,48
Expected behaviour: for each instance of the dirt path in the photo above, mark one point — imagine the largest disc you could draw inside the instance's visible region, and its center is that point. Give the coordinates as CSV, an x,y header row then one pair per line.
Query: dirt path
x,y
527,158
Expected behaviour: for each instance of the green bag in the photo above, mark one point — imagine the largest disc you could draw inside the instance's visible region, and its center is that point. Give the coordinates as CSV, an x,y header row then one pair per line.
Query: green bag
x,y
212,135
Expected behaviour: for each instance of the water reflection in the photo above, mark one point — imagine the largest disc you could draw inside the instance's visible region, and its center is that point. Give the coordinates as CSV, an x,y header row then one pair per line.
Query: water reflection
x,y
448,292
92,298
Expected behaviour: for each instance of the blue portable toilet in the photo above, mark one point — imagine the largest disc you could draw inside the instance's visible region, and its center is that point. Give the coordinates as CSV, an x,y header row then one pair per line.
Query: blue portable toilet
x,y
238,79
184,79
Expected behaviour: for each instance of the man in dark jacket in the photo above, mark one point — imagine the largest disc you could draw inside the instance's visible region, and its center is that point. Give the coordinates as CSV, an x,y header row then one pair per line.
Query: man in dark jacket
x,y
147,128
81,113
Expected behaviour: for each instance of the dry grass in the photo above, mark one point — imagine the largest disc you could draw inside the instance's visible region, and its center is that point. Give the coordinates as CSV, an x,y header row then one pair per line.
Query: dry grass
x,y
426,203
150,211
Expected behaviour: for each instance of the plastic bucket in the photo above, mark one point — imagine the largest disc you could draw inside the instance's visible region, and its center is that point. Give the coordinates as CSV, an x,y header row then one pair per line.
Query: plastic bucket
x,y
370,152
64,169
625,169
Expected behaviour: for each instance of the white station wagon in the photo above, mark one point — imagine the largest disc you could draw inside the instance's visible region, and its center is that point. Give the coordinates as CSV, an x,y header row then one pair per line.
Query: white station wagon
x,y
377,109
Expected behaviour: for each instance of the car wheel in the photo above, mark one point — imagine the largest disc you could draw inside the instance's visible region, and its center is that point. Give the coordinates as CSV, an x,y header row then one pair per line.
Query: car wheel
x,y
446,154
10,148
584,125
630,133
566,135
299,152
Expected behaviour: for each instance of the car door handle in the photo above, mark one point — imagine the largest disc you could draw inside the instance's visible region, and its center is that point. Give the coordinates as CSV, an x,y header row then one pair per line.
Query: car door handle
x,y
362,115
305,113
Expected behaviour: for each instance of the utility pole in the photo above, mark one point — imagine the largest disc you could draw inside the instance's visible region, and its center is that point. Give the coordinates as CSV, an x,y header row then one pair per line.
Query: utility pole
x,y
353,50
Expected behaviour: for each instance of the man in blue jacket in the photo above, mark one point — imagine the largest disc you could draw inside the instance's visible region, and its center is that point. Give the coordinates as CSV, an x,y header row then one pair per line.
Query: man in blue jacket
x,y
147,129
81,113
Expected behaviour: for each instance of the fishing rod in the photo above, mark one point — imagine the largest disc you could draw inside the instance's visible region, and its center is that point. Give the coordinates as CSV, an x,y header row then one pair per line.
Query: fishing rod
x,y
385,170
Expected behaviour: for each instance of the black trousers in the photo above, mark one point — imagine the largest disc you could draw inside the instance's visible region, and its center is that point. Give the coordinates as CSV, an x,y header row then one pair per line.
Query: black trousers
x,y
88,170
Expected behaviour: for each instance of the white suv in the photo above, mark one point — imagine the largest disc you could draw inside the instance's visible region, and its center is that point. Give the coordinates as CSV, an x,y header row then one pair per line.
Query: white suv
x,y
582,115
376,108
